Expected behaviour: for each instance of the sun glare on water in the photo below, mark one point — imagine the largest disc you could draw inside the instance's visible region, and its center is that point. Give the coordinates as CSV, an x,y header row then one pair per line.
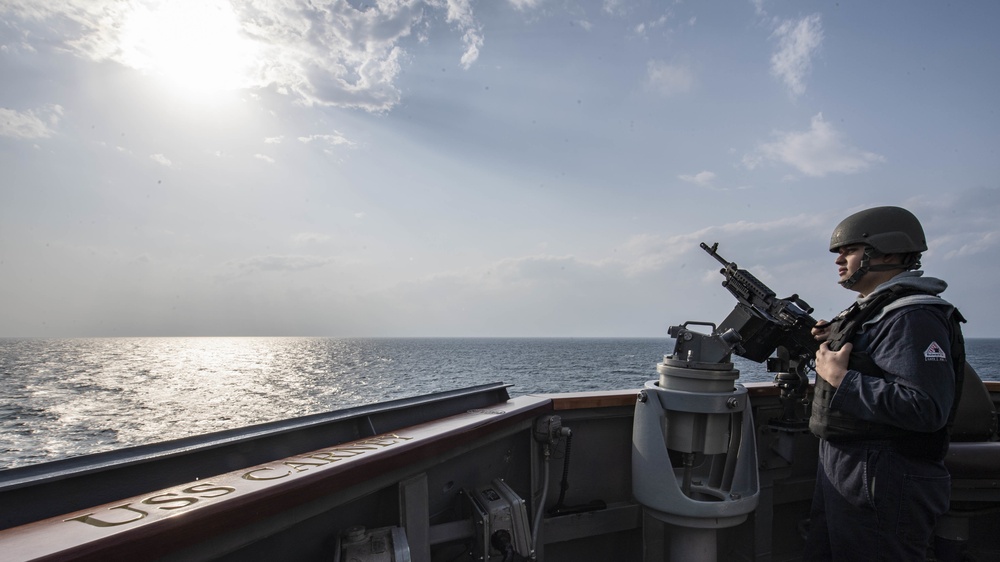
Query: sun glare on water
x,y
193,45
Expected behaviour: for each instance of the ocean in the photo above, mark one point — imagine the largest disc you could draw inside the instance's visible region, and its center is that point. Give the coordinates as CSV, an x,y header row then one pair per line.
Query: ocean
x,y
67,397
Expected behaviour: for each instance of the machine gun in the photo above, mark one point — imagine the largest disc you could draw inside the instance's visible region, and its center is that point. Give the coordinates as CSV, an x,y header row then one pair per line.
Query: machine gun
x,y
767,324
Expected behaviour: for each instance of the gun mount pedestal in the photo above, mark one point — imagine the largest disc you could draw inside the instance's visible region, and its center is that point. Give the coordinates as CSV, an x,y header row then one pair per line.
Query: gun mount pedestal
x,y
792,380
694,460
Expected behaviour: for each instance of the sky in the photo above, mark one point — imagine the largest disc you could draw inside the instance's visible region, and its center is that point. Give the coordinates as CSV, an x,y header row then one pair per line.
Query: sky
x,y
508,168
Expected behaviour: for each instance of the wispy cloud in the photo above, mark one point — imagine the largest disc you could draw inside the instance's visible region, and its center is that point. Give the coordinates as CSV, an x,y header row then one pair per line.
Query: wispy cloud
x,y
334,139
704,178
798,41
460,13
984,242
307,238
521,275
161,160
669,78
279,263
960,223
31,124
649,252
653,252
525,5
264,158
614,7
816,152
645,27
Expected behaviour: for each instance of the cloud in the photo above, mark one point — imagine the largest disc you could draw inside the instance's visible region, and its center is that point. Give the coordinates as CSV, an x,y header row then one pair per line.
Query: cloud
x,y
669,78
704,178
335,139
161,160
642,28
88,27
960,222
533,271
306,238
460,13
322,53
816,152
980,243
31,124
280,263
613,7
524,5
331,54
532,282
797,43
264,158
646,253
274,140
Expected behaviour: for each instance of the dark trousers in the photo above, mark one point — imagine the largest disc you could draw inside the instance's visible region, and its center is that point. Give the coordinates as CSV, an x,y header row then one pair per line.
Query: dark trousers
x,y
871,503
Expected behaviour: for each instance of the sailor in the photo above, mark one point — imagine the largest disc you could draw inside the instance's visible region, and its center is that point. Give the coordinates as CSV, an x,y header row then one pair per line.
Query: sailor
x,y
886,391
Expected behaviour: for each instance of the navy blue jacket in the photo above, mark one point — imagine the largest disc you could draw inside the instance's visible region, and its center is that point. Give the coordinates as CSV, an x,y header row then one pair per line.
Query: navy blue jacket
x,y
912,345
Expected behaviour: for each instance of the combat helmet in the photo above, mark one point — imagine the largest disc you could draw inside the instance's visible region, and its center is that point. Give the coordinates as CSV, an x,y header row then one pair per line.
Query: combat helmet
x,y
882,230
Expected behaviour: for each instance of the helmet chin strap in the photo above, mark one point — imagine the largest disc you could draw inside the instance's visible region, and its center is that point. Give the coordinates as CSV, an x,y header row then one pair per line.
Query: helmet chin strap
x,y
866,266
860,272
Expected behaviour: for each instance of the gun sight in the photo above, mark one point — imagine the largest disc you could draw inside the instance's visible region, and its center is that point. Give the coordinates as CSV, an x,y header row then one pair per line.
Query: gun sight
x,y
712,252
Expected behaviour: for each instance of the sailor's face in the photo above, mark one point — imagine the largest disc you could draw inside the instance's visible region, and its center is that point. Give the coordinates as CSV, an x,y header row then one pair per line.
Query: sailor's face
x,y
848,260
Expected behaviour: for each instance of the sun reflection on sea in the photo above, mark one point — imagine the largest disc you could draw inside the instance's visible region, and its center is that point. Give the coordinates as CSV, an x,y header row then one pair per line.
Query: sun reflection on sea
x,y
88,395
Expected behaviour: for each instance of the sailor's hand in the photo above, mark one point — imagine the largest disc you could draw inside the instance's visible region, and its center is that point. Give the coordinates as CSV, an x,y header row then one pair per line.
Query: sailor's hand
x,y
821,331
832,365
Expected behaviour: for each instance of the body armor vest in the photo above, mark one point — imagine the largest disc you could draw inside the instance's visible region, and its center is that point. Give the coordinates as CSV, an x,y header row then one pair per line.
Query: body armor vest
x,y
834,425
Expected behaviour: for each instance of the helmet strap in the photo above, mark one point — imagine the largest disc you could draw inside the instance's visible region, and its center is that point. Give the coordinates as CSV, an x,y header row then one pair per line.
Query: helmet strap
x,y
864,268
910,261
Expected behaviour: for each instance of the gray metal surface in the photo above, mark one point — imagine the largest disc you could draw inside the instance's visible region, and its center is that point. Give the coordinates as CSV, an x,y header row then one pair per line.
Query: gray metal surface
x,y
45,490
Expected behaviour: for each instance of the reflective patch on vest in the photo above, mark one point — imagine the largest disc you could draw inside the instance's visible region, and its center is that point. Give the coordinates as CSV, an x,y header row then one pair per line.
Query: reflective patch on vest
x,y
934,353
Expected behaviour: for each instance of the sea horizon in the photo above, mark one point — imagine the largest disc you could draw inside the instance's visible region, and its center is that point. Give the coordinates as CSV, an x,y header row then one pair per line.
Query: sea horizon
x,y
65,397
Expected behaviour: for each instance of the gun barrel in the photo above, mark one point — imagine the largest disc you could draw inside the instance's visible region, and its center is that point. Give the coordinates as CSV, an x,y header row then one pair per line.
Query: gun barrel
x,y
712,252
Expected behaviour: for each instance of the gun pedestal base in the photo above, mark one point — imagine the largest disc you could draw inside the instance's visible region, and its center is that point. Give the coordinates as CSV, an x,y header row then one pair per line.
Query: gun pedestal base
x,y
694,458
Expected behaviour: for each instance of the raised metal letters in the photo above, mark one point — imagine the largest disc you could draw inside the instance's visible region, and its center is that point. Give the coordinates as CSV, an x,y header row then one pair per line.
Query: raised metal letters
x,y
203,491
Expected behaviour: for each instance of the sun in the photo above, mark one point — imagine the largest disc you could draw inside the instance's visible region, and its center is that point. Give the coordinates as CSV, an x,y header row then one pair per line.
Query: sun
x,y
194,45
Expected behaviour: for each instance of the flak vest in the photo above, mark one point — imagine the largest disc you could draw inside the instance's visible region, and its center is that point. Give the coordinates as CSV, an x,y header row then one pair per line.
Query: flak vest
x,y
836,426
